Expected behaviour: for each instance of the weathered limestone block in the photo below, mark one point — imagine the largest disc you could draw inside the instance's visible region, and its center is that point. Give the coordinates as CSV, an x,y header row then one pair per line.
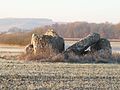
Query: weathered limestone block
x,y
37,44
49,41
80,47
56,43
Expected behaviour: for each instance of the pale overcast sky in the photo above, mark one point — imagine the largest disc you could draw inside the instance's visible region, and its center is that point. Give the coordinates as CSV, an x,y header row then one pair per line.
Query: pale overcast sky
x,y
63,10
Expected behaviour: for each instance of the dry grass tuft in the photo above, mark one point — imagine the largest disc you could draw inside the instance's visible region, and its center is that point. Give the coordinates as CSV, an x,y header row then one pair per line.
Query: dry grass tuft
x,y
116,57
50,56
90,58
45,56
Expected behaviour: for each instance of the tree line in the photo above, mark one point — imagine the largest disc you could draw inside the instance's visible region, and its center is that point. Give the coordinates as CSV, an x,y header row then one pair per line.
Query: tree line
x,y
82,29
68,30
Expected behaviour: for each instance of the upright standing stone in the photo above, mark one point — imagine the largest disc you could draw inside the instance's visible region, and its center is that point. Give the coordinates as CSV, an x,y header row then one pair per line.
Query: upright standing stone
x,y
49,41
54,41
103,48
37,43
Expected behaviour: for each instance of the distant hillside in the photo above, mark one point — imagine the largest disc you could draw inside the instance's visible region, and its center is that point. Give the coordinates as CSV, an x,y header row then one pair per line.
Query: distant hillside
x,y
23,23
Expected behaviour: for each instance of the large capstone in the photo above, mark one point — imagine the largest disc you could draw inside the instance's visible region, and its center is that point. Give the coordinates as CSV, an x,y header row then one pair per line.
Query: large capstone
x,y
80,47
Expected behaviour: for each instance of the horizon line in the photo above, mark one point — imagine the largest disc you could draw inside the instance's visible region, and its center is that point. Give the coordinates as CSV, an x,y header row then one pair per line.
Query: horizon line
x,y
67,21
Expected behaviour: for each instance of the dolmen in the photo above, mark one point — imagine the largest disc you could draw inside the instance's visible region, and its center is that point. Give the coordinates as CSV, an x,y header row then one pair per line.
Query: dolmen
x,y
99,48
92,44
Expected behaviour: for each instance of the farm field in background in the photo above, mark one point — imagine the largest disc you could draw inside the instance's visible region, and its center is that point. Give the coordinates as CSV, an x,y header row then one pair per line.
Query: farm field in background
x,y
19,49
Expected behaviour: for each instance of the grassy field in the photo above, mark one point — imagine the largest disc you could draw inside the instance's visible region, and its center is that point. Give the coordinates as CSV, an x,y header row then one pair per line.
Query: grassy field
x,y
21,75
30,75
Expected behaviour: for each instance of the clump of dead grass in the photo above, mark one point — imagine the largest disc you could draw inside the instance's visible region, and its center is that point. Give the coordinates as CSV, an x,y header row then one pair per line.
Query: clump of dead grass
x,y
116,57
46,56
50,56
89,58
